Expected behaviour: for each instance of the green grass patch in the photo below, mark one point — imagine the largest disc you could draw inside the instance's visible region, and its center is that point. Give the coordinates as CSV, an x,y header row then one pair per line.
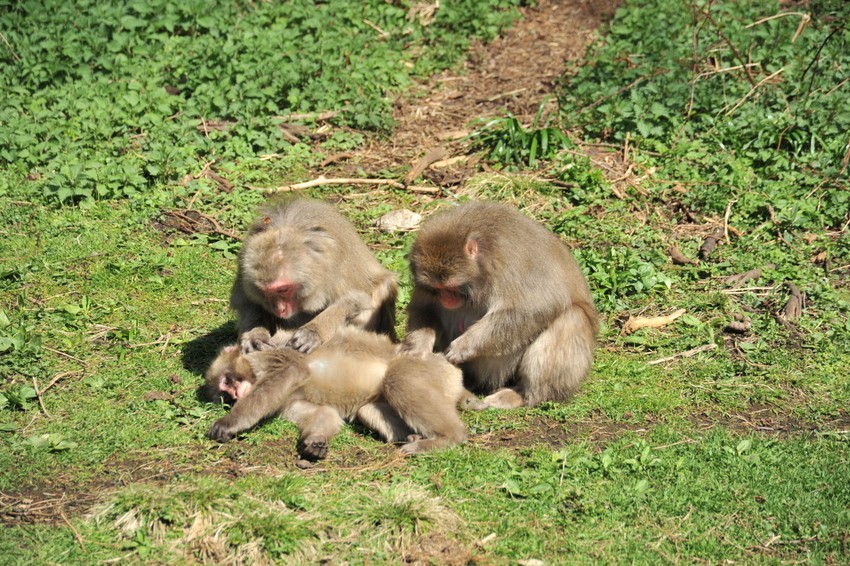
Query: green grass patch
x,y
109,314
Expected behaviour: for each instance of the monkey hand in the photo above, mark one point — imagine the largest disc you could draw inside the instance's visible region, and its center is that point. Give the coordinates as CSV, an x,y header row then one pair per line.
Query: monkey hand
x,y
221,431
304,340
314,447
418,343
255,339
459,351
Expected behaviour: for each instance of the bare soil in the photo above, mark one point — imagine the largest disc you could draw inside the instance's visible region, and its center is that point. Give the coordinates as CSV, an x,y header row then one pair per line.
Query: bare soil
x,y
515,73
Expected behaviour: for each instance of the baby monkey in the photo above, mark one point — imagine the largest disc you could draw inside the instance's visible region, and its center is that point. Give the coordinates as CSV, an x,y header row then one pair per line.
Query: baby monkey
x,y
356,375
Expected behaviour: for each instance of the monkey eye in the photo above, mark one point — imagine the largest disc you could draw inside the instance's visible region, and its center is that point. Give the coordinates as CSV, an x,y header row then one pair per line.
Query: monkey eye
x,y
228,378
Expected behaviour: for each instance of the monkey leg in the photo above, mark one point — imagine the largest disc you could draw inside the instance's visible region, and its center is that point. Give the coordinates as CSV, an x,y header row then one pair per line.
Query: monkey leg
x,y
317,425
425,393
555,364
381,418
419,342
437,426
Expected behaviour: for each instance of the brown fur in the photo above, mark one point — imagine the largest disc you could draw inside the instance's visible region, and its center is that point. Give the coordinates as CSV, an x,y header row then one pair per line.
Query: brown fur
x,y
357,375
306,245
526,327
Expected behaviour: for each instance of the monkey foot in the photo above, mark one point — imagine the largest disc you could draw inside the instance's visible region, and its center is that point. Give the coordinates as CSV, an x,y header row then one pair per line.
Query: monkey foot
x,y
504,399
314,448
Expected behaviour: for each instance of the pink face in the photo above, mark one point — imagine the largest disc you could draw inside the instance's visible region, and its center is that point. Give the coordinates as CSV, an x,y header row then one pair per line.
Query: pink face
x,y
233,387
449,296
281,297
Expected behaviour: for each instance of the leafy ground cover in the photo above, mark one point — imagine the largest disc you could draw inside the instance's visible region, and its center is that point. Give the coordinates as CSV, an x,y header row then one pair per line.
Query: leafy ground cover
x,y
135,139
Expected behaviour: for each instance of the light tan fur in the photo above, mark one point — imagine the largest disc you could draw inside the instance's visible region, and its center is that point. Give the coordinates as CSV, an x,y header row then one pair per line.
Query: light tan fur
x,y
504,299
356,375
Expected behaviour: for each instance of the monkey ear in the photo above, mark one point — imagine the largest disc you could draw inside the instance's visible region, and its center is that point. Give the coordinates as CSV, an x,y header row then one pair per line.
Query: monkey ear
x,y
471,247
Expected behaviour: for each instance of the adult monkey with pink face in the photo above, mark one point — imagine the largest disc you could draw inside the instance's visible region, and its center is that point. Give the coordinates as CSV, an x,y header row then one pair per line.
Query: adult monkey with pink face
x,y
302,266
504,299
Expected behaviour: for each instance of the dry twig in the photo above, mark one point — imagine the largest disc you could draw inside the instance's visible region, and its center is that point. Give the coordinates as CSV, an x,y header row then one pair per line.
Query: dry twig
x,y
38,396
690,353
432,156
322,180
637,322
796,303
316,116
740,278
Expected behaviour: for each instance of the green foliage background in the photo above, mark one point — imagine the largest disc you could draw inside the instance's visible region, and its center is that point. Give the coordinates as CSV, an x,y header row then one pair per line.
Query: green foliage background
x,y
87,111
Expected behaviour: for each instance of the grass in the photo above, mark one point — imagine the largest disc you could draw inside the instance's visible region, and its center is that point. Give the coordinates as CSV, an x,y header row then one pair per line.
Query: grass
x,y
109,314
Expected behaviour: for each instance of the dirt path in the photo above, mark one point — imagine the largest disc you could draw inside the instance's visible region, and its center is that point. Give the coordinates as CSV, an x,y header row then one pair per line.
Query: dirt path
x,y
515,73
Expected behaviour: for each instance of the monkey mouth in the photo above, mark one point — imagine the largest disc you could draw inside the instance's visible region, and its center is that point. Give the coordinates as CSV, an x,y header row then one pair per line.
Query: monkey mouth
x,y
450,299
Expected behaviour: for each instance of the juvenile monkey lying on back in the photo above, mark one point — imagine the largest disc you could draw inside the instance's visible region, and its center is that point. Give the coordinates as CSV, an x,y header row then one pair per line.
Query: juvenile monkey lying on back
x,y
303,267
355,375
502,297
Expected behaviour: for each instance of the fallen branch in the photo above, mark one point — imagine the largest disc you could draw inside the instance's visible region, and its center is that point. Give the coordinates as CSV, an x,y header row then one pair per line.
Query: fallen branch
x,y
449,162
740,278
38,396
678,257
316,116
710,243
322,180
687,354
796,302
423,189
432,156
741,324
59,376
637,322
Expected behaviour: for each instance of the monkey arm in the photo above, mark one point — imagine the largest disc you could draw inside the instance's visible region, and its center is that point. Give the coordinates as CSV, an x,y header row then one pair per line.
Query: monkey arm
x,y
253,323
269,397
323,326
500,332
424,328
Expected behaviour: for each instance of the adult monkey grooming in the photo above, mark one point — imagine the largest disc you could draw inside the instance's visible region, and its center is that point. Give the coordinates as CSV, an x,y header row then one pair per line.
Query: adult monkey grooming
x,y
302,266
504,298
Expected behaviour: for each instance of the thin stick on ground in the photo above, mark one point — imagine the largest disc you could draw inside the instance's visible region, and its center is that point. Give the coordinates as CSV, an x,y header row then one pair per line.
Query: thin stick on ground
x,y
322,180
59,376
77,534
38,396
637,322
432,156
687,354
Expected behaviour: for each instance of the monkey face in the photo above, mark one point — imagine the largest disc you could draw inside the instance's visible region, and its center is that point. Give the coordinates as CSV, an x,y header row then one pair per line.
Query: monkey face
x,y
230,376
232,385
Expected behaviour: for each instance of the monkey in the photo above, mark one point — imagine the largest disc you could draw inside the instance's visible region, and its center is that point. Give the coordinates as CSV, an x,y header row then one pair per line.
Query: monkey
x,y
504,299
303,267
409,397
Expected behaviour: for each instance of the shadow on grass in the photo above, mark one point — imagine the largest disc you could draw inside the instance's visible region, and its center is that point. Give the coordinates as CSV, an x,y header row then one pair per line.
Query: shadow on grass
x,y
199,353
